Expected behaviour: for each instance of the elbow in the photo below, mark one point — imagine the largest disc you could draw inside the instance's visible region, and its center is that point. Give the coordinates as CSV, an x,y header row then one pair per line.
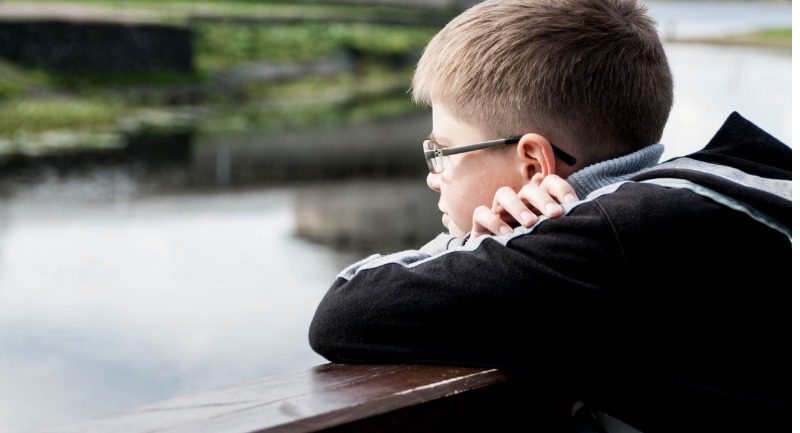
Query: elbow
x,y
345,330
327,334
320,338
340,331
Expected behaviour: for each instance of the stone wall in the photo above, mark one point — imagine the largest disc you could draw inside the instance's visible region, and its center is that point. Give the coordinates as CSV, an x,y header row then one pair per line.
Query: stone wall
x,y
96,46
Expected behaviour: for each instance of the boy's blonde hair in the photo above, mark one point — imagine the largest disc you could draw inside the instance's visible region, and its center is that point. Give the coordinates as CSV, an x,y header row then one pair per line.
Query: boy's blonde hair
x,y
590,75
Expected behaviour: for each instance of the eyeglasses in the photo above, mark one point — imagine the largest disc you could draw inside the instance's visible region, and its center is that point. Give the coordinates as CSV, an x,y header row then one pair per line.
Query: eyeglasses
x,y
434,154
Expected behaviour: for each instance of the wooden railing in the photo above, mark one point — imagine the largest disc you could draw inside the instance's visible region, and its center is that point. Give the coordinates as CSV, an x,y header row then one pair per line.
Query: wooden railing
x,y
336,398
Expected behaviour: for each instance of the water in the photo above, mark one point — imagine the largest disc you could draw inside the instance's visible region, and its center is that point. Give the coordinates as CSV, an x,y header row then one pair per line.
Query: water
x,y
711,82
112,295
106,307
685,19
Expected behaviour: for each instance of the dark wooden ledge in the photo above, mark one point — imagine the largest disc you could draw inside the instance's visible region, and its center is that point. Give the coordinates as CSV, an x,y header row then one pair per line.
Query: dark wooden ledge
x,y
333,398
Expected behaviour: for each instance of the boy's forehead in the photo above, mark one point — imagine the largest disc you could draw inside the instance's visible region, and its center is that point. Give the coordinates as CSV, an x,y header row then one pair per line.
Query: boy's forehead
x,y
446,139
447,129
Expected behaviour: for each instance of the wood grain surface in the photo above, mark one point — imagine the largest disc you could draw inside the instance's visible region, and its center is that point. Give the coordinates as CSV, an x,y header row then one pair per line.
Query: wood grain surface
x,y
330,397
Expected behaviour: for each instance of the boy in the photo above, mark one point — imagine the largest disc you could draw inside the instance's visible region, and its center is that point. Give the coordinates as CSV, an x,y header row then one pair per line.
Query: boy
x,y
651,299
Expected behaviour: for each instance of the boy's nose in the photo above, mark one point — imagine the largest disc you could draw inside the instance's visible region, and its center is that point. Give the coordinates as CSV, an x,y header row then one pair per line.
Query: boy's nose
x,y
433,181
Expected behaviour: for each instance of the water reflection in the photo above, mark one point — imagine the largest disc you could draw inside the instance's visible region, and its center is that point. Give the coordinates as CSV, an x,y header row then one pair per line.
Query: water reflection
x,y
379,148
369,215
105,307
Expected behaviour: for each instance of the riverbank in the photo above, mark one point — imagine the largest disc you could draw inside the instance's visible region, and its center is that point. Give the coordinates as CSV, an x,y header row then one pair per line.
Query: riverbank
x,y
768,38
266,67
263,67
182,11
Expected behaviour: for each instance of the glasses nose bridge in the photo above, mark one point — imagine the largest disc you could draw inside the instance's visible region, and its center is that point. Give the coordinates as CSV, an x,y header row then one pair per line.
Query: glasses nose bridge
x,y
433,156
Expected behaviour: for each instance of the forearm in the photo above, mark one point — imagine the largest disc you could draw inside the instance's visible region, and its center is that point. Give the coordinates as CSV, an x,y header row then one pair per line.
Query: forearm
x,y
482,305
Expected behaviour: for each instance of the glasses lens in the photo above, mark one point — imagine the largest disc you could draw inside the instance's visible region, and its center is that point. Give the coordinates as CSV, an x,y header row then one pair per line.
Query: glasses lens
x,y
435,164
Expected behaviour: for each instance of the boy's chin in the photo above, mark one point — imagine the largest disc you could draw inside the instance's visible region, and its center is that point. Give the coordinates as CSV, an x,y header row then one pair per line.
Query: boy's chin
x,y
451,226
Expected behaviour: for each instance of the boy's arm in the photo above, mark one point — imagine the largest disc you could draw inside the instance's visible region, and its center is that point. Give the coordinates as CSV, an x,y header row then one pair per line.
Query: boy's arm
x,y
486,304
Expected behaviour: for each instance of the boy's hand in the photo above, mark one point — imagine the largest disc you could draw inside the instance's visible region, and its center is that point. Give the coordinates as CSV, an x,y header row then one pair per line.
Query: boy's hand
x,y
509,209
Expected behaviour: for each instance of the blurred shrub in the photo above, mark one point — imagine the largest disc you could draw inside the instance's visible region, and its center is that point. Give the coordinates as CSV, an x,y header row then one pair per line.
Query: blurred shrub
x,y
48,109
225,45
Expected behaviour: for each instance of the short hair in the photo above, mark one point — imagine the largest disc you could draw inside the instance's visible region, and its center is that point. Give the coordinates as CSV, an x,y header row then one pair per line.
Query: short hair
x,y
590,75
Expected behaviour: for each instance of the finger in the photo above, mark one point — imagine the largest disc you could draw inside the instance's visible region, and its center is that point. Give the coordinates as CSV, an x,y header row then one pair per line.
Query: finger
x,y
484,221
507,201
558,188
540,200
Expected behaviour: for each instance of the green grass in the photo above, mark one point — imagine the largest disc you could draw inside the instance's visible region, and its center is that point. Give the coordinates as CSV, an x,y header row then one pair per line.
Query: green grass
x,y
316,89
286,117
16,81
49,126
775,38
34,115
378,92
221,46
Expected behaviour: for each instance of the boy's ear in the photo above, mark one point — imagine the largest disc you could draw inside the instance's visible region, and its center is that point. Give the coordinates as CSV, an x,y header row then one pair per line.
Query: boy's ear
x,y
536,156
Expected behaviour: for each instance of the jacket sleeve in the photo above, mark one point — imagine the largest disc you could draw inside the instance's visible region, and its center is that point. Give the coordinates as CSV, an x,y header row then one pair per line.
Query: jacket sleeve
x,y
490,303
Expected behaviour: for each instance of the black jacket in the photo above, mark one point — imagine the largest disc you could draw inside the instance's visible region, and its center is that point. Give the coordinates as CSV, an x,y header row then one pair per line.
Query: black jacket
x,y
665,306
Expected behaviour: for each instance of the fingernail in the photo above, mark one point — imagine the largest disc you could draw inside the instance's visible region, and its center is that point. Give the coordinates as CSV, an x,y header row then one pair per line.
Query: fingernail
x,y
570,198
527,217
552,208
504,230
